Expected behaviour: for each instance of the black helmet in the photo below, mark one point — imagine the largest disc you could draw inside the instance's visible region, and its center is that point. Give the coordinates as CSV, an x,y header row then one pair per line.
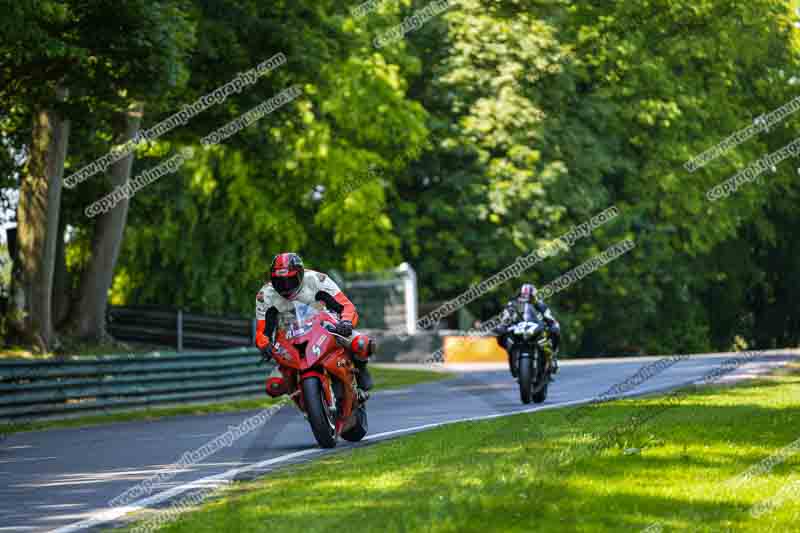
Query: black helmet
x,y
286,274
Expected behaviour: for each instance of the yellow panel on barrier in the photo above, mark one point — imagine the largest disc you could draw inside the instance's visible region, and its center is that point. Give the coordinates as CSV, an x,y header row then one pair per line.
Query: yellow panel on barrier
x,y
473,350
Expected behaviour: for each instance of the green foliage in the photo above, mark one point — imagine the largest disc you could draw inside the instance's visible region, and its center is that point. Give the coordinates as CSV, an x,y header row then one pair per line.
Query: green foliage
x,y
203,238
483,134
678,81
552,112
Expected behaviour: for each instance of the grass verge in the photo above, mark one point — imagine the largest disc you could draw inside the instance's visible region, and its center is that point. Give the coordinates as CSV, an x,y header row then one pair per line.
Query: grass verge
x,y
541,472
82,349
384,378
395,378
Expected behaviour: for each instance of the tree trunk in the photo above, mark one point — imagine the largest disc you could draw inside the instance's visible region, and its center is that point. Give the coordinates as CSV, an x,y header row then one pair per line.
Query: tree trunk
x,y
62,287
37,225
90,313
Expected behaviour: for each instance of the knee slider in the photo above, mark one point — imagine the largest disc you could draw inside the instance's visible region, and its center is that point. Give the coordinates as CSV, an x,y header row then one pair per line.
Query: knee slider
x,y
362,347
277,386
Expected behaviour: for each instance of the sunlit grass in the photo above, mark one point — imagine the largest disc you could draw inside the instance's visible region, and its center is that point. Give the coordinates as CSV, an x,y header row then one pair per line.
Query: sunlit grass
x,y
537,472
394,378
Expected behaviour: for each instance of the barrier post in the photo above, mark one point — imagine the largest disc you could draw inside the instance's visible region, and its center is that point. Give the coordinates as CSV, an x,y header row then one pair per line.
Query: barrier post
x,y
180,330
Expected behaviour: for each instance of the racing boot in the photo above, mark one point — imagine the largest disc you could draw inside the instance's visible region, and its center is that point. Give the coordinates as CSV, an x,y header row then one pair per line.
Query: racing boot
x,y
363,377
362,347
555,342
552,361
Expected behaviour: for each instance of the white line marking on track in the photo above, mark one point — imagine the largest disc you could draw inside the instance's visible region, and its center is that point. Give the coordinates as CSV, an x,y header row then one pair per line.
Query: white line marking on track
x,y
27,459
225,478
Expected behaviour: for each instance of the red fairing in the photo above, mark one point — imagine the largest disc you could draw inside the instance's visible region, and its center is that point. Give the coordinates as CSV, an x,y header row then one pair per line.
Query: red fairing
x,y
262,341
349,311
314,351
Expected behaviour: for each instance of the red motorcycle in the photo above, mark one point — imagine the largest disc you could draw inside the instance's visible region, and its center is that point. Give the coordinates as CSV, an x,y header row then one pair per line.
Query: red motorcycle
x,y
319,374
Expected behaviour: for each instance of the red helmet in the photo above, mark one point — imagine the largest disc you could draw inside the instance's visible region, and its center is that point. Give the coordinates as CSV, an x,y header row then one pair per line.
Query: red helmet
x,y
286,274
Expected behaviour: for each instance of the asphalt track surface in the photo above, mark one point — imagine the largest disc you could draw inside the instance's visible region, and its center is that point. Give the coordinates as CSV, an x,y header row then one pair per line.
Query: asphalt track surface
x,y
63,479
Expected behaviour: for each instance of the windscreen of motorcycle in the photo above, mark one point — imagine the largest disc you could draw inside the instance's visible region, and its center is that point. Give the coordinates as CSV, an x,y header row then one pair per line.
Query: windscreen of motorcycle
x,y
299,320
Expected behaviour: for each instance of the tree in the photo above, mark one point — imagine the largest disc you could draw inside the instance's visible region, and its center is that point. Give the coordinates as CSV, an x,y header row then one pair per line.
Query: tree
x,y
203,238
37,215
95,56
651,92
90,312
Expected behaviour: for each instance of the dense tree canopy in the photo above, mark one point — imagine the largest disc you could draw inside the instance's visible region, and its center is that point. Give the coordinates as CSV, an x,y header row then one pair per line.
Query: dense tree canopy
x,y
480,136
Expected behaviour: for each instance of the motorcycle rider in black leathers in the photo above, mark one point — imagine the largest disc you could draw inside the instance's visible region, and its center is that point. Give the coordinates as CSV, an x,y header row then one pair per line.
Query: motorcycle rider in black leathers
x,y
513,314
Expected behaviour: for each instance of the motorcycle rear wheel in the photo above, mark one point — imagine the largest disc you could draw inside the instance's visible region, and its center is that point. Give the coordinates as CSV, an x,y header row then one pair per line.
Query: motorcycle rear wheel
x,y
319,415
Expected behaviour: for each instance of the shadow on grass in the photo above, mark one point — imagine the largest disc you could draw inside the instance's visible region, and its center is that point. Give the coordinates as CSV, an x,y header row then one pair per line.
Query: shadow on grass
x,y
420,503
506,476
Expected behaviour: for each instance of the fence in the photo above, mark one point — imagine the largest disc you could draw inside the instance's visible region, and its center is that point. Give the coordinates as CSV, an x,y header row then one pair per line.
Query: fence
x,y
385,300
63,388
31,389
54,388
166,327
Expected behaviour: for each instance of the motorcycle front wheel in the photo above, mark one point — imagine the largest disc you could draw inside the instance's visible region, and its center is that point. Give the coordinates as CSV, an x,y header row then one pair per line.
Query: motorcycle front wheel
x,y
525,377
319,414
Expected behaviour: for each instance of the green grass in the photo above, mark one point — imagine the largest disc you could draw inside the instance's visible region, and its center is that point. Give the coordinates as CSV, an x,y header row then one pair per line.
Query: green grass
x,y
384,378
540,472
395,378
82,349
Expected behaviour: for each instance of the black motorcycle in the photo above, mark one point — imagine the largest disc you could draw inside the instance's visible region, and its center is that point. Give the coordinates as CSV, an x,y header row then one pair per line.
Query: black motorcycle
x,y
530,359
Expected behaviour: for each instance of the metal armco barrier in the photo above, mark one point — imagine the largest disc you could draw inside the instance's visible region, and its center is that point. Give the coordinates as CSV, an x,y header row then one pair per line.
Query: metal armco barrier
x,y
176,328
58,388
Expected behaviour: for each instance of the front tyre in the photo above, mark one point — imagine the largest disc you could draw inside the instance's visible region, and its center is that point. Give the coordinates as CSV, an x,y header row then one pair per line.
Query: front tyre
x,y
319,415
525,378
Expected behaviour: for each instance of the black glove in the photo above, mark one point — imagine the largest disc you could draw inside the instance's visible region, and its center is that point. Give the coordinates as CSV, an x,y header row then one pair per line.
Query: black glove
x,y
344,328
266,353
